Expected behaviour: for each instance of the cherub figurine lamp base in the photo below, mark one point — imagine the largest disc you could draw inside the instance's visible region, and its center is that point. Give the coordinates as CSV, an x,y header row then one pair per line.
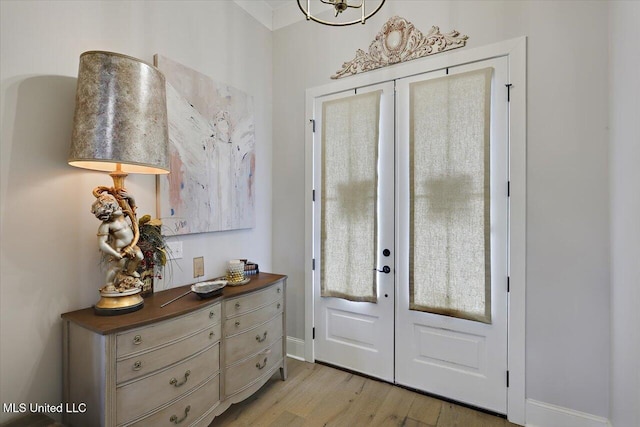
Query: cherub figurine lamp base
x,y
120,126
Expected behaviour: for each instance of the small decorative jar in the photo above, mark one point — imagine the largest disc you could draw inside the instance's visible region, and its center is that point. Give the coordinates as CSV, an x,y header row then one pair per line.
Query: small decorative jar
x,y
235,273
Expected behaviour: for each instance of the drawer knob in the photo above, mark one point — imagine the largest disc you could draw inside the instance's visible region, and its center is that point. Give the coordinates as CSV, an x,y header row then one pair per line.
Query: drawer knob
x,y
137,340
279,290
264,337
237,323
211,314
278,305
137,365
174,418
259,366
212,334
237,305
174,382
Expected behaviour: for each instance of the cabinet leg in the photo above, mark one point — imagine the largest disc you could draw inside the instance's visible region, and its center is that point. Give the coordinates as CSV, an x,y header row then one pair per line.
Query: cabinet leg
x,y
283,372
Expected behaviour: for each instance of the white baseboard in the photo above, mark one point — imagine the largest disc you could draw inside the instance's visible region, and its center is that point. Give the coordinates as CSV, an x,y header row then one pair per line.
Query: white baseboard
x,y
295,348
540,414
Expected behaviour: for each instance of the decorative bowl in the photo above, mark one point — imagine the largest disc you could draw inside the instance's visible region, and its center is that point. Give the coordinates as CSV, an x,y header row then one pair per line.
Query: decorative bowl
x,y
208,289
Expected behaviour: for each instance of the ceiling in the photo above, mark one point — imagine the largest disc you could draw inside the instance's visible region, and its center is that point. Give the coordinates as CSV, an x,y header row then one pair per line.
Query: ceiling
x,y
277,4
273,14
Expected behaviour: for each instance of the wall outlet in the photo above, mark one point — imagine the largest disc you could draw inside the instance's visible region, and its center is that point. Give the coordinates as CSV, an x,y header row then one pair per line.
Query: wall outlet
x,y
198,267
174,250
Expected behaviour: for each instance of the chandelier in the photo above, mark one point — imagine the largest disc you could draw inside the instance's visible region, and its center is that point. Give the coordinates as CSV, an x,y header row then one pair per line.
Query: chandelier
x,y
339,6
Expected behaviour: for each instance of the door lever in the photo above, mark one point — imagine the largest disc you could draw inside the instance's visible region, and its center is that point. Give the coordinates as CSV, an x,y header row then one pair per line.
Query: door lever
x,y
385,270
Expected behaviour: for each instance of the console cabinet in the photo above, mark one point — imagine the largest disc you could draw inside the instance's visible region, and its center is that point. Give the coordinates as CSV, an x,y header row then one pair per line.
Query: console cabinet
x,y
184,363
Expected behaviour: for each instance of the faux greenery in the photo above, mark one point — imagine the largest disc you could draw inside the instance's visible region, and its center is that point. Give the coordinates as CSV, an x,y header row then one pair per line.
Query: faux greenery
x,y
152,243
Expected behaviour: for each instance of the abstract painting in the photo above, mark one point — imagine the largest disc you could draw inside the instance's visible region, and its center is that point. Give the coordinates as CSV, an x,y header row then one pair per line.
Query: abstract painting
x,y
211,186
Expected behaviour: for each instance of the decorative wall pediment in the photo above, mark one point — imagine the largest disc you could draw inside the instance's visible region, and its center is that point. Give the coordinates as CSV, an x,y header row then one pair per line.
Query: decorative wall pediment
x,y
400,41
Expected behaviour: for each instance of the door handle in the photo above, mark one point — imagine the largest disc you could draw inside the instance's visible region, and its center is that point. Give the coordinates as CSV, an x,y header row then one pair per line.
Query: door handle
x,y
385,269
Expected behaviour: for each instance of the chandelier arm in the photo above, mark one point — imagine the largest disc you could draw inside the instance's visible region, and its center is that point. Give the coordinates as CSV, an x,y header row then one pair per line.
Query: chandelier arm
x,y
305,12
333,3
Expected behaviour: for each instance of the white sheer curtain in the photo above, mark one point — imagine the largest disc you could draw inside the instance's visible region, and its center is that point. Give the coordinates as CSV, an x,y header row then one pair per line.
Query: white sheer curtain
x,y
350,135
450,251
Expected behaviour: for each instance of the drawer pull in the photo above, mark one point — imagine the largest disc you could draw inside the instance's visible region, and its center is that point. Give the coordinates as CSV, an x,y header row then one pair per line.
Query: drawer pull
x,y
174,418
137,340
279,305
212,334
237,323
211,314
264,337
279,290
263,364
174,382
237,305
137,365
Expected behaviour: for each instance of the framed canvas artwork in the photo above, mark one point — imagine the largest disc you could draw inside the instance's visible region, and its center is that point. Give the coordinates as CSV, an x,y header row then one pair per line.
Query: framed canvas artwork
x,y
211,186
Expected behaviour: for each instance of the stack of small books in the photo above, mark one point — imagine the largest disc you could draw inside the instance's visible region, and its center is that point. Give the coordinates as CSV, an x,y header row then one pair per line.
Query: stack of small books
x,y
250,268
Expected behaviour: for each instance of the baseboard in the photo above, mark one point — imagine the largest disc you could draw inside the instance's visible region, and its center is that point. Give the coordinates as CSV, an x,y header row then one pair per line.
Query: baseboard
x,y
540,414
295,348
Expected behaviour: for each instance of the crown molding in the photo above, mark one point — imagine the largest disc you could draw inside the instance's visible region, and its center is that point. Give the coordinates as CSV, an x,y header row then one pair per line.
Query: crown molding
x,y
287,15
273,19
259,9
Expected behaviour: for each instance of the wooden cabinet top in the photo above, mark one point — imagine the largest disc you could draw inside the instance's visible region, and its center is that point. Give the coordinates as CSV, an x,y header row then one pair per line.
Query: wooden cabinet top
x,y
152,312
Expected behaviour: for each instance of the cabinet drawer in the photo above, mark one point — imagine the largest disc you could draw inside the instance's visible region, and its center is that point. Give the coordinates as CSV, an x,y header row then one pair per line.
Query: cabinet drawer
x,y
245,373
139,397
187,409
148,337
255,300
240,346
249,320
143,364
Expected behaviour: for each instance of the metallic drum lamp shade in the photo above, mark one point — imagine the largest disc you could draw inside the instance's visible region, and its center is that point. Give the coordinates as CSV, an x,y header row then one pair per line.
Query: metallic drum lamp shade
x,y
339,7
120,116
119,126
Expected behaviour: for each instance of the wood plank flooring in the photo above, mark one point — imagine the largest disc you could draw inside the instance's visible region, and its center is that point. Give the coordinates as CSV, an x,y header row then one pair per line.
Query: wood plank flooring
x,y
32,420
318,395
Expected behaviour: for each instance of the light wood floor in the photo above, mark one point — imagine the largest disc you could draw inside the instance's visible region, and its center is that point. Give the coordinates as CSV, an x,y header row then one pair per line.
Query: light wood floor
x,y
318,395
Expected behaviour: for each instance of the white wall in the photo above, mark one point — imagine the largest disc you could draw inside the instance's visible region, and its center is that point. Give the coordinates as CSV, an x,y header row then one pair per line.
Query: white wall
x,y
567,172
49,258
624,82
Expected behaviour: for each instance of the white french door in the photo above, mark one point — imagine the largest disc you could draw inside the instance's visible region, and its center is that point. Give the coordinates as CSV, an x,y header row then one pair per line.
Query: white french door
x,y
354,230
437,320
451,318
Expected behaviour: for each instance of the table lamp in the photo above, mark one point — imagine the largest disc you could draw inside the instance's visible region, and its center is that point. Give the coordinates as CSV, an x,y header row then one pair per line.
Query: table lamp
x,y
119,126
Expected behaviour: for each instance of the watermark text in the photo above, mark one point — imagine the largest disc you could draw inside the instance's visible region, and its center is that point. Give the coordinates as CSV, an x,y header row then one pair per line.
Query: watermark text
x,y
46,408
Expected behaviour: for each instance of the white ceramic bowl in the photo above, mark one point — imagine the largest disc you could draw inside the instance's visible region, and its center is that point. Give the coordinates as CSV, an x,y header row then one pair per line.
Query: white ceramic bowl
x,y
208,289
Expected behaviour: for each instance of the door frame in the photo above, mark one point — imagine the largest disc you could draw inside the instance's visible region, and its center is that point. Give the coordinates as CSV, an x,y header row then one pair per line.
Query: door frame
x,y
516,51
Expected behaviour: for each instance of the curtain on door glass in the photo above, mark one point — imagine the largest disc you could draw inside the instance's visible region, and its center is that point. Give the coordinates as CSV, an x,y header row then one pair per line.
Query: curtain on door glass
x,y
450,251
350,134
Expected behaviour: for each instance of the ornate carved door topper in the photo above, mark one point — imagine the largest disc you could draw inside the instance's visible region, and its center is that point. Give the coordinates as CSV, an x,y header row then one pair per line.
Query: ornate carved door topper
x,y
399,41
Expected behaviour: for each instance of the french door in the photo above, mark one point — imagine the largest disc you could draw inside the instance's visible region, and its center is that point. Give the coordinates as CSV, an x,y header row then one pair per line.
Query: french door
x,y
433,209
354,232
451,319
